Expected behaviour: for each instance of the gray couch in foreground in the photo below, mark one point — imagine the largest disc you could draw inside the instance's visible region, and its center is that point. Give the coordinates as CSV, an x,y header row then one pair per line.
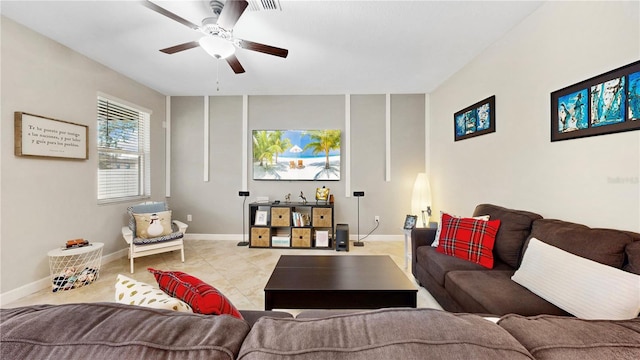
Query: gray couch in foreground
x,y
116,331
462,286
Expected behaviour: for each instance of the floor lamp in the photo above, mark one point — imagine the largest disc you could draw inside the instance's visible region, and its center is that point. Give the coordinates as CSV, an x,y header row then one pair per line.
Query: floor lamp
x,y
421,198
244,194
358,194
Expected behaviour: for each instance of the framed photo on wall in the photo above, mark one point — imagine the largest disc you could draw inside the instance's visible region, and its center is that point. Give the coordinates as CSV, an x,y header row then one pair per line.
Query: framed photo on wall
x,y
604,104
475,120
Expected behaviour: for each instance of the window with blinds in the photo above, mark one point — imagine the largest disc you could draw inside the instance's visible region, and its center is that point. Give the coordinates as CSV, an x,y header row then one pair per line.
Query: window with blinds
x,y
123,152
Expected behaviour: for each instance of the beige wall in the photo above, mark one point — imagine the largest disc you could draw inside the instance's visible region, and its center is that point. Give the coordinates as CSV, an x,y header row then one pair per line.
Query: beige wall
x,y
215,204
46,202
560,44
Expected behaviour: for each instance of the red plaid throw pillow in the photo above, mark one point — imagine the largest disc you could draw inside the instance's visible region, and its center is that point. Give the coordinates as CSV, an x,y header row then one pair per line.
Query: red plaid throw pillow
x,y
202,297
469,239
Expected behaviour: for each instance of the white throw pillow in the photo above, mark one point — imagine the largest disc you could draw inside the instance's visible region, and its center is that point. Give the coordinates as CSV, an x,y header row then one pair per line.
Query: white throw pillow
x,y
582,287
133,292
439,230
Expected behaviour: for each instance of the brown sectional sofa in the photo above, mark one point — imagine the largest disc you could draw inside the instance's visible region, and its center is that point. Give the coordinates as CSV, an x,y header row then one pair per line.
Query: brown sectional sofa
x,y
116,331
462,286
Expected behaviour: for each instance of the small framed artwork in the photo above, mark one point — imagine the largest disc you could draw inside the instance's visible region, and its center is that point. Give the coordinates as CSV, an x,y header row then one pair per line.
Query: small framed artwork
x,y
410,222
261,217
604,104
475,120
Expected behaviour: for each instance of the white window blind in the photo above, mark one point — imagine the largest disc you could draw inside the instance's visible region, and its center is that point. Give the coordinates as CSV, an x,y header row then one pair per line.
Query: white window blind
x,y
123,152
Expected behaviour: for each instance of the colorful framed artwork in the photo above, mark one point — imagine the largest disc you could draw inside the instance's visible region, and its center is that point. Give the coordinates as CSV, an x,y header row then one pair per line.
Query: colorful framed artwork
x,y
296,154
604,104
475,120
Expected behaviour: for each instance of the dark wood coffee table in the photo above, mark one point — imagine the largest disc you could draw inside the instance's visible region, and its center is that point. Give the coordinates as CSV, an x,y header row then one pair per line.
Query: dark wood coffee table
x,y
338,282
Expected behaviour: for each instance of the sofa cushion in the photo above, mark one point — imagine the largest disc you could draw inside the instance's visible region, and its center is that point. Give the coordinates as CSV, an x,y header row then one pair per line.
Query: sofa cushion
x,y
580,286
566,338
468,239
605,246
381,334
515,227
493,292
203,298
116,331
438,264
133,292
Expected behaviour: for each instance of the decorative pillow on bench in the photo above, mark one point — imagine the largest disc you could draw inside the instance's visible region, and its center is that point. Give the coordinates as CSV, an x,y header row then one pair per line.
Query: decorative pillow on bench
x,y
468,239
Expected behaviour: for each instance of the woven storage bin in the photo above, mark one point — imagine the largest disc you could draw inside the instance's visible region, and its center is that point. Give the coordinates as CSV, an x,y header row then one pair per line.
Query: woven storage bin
x,y
322,217
260,237
280,216
301,237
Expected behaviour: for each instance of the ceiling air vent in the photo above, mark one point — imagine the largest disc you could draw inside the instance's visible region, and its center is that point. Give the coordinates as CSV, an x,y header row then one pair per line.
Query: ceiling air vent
x,y
260,5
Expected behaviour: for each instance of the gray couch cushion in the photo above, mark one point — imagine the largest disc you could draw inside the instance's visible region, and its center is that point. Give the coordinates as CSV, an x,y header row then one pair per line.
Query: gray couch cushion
x,y
566,338
438,264
515,226
116,331
381,334
605,246
493,292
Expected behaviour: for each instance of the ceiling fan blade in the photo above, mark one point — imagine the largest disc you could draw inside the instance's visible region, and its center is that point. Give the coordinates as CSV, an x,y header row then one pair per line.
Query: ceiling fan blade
x,y
232,60
181,47
169,14
231,12
267,49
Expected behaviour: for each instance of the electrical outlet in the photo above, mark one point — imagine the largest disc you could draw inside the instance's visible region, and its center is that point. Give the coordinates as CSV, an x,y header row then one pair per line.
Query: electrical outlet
x,y
189,217
377,219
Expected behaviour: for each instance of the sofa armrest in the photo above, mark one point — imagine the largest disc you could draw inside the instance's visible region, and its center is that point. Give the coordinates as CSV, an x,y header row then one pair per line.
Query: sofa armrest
x,y
420,237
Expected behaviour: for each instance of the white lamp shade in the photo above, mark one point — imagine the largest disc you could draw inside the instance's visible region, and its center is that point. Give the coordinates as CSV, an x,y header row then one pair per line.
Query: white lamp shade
x,y
421,197
217,46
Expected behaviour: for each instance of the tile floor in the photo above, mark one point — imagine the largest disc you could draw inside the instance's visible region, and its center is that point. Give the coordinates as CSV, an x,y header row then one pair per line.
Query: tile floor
x,y
238,272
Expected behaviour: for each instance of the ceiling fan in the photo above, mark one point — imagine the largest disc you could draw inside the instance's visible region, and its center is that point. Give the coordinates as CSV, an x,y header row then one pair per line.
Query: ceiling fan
x,y
219,41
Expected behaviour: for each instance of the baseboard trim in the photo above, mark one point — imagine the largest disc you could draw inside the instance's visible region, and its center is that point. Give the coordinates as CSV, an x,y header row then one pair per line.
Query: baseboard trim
x,y
35,286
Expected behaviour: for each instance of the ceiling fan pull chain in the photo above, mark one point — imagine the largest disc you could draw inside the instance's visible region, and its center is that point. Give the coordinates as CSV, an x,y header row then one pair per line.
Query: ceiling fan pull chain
x,y
217,74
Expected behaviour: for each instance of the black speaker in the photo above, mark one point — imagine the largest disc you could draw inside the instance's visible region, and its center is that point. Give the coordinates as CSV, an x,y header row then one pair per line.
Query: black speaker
x,y
342,237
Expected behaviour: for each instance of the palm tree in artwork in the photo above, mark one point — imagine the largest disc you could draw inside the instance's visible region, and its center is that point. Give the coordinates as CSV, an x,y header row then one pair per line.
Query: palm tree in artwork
x,y
262,147
324,141
278,145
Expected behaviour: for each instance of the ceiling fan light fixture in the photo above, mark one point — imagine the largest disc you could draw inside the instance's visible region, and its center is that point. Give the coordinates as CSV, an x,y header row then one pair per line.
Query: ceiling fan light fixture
x,y
217,47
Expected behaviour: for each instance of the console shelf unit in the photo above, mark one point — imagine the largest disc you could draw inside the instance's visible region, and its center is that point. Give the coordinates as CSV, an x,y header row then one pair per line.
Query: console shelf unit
x,y
292,225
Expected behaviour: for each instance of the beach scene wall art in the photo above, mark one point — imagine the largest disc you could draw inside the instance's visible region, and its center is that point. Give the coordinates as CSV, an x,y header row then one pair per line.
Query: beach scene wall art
x,y
296,154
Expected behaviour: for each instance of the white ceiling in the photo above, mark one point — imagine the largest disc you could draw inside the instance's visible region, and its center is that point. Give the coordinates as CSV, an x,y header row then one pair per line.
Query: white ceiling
x,y
335,47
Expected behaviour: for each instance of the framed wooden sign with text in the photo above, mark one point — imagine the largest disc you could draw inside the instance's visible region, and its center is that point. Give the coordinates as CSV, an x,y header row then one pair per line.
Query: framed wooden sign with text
x,y
45,137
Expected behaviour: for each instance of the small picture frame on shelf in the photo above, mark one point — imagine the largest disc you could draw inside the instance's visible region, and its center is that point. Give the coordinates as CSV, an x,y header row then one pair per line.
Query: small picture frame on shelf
x,y
261,217
410,222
